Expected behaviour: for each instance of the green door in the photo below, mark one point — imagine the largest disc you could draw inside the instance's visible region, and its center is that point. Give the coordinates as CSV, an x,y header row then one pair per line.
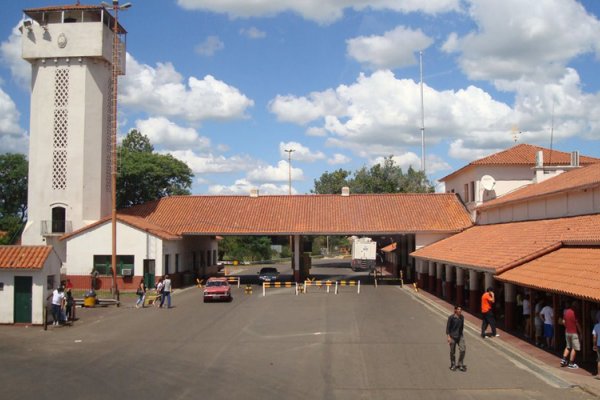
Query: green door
x,y
23,287
149,273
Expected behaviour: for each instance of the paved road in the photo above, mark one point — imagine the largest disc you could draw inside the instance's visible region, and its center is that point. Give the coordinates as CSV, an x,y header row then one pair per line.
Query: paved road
x,y
381,344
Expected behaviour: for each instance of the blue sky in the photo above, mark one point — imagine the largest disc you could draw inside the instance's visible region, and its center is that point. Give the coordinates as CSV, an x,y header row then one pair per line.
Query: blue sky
x,y
228,85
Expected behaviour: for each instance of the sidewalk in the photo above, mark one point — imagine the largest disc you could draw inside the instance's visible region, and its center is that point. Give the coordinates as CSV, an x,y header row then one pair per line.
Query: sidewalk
x,y
546,363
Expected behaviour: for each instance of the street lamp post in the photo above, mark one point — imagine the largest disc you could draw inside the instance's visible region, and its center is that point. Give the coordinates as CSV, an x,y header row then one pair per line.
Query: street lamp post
x,y
113,164
289,151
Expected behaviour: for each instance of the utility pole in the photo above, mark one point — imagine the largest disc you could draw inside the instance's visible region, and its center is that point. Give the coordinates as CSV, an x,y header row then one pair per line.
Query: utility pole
x,y
116,71
422,114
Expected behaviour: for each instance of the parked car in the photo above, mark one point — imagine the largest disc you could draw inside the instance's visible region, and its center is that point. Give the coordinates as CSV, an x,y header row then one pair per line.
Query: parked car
x,y
217,289
268,274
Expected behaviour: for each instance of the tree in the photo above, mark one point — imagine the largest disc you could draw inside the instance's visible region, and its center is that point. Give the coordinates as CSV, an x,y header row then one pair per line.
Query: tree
x,y
145,175
331,182
247,248
13,195
386,177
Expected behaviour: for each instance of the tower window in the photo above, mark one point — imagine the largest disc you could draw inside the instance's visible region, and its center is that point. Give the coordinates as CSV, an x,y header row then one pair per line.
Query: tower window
x,y
58,219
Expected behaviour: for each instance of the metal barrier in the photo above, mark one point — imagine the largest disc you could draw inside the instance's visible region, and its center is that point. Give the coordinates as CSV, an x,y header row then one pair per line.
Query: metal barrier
x,y
234,279
328,284
389,279
279,285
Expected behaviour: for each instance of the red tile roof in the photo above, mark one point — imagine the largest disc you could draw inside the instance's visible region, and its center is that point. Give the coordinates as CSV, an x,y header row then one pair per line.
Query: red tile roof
x,y
390,248
306,214
498,247
577,179
24,257
524,154
572,271
133,221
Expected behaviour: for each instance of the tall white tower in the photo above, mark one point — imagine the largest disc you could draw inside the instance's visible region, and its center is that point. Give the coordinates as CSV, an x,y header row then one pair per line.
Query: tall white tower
x,y
70,51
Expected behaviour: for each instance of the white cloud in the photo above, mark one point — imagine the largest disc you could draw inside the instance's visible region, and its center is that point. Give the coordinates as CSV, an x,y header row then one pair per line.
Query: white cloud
x,y
166,134
253,33
209,46
243,186
10,55
214,164
379,112
321,11
13,138
300,152
316,131
458,150
278,173
396,48
409,159
515,38
161,90
338,159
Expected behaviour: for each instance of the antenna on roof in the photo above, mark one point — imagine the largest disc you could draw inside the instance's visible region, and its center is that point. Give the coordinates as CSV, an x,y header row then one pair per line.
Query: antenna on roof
x,y
515,133
551,134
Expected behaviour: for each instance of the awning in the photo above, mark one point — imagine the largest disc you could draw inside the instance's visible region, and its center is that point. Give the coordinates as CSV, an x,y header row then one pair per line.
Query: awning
x,y
571,271
390,247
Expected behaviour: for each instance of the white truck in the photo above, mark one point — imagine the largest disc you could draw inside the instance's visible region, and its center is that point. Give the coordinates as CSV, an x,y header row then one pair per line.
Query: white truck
x,y
364,253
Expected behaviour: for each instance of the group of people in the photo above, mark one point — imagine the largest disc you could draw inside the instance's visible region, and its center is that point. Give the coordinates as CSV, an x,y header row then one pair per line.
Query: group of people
x,y
544,327
63,305
163,290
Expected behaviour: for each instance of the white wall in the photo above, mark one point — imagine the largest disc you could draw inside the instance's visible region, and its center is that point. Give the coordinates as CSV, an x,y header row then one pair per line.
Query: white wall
x,y
424,239
97,241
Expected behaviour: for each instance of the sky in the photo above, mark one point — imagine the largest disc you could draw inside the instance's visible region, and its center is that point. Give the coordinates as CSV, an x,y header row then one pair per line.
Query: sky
x,y
228,85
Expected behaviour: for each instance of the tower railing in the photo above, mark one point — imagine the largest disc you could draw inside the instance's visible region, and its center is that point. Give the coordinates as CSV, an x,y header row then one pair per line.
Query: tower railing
x,y
56,228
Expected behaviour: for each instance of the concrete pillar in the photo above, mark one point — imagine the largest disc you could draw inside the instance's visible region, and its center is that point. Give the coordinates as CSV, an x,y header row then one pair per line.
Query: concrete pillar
x,y
510,297
489,281
460,286
474,291
438,279
297,274
449,280
421,273
431,283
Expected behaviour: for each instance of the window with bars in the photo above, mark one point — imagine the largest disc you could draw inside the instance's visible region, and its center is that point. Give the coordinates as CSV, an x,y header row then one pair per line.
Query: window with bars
x,y
60,129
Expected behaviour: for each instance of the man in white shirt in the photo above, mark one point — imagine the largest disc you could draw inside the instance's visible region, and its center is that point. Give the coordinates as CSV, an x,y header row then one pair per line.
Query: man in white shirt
x,y
166,292
58,298
547,315
527,315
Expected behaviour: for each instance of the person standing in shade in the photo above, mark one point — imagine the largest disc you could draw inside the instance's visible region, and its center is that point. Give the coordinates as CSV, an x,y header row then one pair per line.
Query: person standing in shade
x,y
547,316
487,303
454,331
166,292
572,330
596,346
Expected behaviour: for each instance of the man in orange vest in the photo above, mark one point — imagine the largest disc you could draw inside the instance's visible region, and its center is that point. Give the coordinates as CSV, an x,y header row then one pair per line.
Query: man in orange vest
x,y
487,303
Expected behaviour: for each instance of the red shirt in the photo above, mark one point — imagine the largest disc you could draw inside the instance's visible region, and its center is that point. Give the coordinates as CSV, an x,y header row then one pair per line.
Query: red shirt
x,y
486,302
570,321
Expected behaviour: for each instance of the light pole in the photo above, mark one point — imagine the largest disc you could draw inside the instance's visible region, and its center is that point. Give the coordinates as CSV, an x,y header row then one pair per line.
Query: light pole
x,y
289,151
113,134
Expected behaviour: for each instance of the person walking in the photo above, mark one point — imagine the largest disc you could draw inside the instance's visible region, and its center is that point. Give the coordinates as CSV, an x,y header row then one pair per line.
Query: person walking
x,y
596,346
159,292
487,303
456,337
58,298
69,305
166,292
547,316
141,293
572,330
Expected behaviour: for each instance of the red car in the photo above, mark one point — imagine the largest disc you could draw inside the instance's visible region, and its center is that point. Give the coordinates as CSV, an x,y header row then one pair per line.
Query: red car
x,y
217,289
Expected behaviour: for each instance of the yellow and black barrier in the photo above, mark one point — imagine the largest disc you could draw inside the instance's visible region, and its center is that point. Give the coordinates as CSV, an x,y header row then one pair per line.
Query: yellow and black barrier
x,y
329,284
234,279
279,285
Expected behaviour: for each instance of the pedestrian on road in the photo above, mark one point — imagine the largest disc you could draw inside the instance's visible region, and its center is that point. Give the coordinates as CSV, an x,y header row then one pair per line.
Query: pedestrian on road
x,y
141,293
58,298
69,304
454,331
596,341
547,316
487,309
159,292
572,330
166,292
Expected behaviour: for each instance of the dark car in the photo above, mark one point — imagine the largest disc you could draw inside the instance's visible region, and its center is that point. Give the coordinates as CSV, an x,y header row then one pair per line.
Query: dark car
x,y
268,274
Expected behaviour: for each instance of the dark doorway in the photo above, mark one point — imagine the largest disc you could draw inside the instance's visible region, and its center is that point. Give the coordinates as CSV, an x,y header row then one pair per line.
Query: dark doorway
x,y
58,220
22,306
149,273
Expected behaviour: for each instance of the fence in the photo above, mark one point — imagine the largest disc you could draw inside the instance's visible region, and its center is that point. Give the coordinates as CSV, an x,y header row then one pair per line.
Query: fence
x,y
328,284
279,285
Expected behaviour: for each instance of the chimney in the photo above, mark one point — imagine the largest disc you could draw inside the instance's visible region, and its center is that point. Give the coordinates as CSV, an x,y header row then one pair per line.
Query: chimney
x,y
254,192
575,158
539,159
345,191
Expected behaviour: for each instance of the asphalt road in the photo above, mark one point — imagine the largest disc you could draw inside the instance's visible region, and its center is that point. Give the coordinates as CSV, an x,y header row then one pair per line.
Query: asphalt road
x,y
381,344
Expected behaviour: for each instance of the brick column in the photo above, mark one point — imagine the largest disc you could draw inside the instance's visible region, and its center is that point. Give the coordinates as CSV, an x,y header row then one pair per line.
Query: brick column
x,y
449,279
460,286
438,279
474,299
510,296
431,283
